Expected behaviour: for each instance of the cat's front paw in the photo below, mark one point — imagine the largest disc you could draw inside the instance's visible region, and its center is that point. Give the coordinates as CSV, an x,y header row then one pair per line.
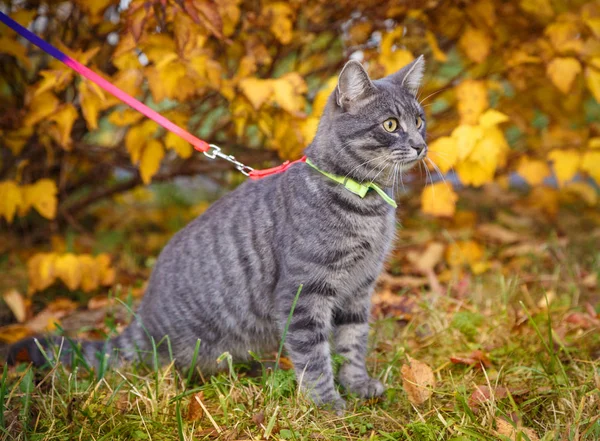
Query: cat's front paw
x,y
367,388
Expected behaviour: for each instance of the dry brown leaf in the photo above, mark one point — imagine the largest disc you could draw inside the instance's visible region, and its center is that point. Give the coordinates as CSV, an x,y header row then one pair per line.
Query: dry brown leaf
x,y
396,282
475,358
195,411
418,381
482,394
507,429
430,257
16,303
497,233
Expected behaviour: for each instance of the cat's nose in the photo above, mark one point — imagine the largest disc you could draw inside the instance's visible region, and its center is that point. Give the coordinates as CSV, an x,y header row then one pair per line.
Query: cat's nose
x,y
419,148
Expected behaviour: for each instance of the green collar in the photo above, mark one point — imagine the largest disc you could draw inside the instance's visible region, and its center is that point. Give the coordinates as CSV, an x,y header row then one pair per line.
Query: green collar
x,y
355,187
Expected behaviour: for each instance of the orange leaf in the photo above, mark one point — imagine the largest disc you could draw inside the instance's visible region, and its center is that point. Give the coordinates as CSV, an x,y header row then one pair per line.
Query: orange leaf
x,y
417,380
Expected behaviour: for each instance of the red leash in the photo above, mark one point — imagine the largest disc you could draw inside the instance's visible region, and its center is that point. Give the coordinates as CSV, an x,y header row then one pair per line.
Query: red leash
x,y
210,150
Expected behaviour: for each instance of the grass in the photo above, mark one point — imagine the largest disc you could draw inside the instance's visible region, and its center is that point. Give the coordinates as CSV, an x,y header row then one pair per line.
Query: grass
x,y
550,385
526,313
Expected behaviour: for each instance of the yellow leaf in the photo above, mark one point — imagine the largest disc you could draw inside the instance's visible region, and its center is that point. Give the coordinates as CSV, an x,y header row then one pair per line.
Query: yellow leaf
x,y
562,72
590,163
466,137
257,91
137,136
42,196
476,44
475,173
181,146
583,191
55,79
594,25
543,199
565,164
150,160
91,103
12,47
435,49
444,152
40,107
322,96
309,129
40,269
107,273
68,270
594,143
565,36
14,333
170,81
287,92
533,171
395,61
15,140
538,8
592,79
24,16
280,15
10,199
90,274
472,100
439,199
230,14
492,118
464,252
125,117
64,119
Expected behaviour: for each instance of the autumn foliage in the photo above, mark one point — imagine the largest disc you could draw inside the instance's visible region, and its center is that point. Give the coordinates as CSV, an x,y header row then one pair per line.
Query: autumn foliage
x,y
512,90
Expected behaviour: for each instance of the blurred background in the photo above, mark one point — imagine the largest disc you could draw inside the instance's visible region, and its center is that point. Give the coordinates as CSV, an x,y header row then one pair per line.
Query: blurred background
x,y
90,190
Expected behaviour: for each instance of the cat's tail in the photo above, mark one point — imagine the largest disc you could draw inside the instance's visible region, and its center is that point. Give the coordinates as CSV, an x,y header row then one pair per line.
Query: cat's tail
x,y
130,345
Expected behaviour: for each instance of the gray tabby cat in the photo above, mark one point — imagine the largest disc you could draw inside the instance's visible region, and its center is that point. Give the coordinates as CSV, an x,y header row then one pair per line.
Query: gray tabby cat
x,y
230,277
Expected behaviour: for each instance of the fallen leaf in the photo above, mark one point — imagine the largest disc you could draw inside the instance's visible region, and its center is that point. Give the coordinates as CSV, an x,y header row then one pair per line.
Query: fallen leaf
x,y
476,358
498,233
16,303
483,394
195,412
418,381
430,257
507,429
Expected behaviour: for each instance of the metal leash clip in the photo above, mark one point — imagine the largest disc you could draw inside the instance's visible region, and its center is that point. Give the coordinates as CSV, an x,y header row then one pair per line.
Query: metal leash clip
x,y
215,151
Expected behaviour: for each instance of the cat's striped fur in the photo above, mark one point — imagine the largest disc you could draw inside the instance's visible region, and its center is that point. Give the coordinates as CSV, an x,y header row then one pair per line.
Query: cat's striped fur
x,y
229,278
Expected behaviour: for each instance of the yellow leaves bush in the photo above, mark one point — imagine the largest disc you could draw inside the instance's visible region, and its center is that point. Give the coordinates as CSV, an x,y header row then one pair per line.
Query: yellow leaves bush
x,y
244,74
82,271
41,196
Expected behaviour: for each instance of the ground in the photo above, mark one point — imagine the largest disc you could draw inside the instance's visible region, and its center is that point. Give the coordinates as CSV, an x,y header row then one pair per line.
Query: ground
x,y
485,327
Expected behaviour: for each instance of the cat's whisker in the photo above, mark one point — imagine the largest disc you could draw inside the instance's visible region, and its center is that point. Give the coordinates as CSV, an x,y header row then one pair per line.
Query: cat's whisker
x,y
430,178
385,159
433,94
437,169
361,164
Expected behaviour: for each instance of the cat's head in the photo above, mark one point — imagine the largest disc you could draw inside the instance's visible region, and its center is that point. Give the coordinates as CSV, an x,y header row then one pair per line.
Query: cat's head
x,y
372,130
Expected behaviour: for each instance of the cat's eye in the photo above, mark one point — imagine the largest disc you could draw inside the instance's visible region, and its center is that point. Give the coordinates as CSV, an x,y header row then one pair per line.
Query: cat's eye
x,y
419,122
390,125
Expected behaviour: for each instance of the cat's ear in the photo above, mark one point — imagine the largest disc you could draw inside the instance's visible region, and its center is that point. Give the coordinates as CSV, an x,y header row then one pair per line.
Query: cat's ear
x,y
410,76
354,84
